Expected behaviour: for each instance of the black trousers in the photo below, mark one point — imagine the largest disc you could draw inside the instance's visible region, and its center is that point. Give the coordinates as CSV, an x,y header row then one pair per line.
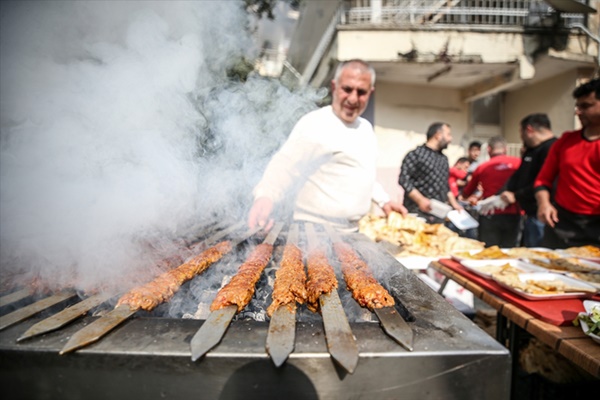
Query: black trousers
x,y
572,230
499,230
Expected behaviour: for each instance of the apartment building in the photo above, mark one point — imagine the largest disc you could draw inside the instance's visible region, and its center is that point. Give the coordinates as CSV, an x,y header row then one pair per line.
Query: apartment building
x,y
480,65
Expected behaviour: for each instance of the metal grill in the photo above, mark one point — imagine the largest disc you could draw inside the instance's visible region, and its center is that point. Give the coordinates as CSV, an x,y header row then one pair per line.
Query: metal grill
x,y
149,357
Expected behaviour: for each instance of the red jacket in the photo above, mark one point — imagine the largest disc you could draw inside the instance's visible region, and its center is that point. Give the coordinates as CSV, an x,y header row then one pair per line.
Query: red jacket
x,y
455,175
492,175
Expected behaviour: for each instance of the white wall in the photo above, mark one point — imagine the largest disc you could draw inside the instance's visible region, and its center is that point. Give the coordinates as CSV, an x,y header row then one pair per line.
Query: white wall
x,y
551,96
402,115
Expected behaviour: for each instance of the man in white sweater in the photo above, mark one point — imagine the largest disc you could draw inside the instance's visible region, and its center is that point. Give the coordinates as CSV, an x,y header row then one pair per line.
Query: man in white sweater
x,y
330,158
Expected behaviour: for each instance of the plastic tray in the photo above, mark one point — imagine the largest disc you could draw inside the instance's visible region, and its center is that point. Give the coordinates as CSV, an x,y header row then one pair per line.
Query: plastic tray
x,y
479,266
546,276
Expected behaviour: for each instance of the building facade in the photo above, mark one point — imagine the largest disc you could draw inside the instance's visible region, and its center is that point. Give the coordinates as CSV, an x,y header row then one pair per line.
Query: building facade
x,y
480,65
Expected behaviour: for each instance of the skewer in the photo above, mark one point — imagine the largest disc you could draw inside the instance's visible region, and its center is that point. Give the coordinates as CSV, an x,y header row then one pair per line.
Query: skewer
x,y
120,314
98,329
393,324
340,340
67,315
282,333
14,297
32,309
282,327
212,330
80,309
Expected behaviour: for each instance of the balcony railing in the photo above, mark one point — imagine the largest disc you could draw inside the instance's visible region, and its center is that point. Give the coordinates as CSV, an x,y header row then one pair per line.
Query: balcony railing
x,y
474,14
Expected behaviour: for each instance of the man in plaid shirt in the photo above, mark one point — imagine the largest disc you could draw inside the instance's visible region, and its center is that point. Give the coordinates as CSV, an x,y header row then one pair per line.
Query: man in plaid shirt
x,y
424,174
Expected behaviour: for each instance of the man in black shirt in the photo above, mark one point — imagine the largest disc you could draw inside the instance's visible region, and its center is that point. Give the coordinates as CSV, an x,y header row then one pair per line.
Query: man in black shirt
x,y
424,174
537,138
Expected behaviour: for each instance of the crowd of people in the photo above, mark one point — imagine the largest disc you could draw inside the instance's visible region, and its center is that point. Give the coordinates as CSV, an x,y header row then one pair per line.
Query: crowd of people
x,y
548,197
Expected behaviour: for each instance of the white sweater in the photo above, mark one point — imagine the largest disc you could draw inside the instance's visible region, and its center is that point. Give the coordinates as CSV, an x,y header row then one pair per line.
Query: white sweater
x,y
333,162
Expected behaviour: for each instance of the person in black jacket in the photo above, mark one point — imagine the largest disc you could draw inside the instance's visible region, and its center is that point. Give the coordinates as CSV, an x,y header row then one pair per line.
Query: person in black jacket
x,y
537,136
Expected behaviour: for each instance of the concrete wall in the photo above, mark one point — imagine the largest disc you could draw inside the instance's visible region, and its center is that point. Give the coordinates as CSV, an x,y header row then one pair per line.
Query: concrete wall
x,y
551,96
402,115
384,45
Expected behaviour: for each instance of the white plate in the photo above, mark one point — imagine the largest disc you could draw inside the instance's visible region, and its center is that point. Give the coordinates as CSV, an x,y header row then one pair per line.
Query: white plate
x,y
478,266
588,305
548,276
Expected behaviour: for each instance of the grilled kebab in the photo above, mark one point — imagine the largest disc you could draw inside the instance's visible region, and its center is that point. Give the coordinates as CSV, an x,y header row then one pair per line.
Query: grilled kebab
x,y
290,279
161,289
240,289
359,279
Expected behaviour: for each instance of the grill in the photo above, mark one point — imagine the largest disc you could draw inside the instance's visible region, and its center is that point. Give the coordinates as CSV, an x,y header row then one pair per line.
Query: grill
x,y
148,356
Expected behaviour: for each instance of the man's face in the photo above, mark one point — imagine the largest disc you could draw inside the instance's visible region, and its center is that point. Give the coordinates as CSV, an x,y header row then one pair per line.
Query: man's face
x,y
351,93
445,137
587,108
527,136
474,153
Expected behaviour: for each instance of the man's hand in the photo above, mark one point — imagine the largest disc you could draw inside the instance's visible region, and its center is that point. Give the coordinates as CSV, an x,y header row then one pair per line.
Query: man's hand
x,y
508,197
394,206
423,202
260,214
424,205
546,211
548,214
454,202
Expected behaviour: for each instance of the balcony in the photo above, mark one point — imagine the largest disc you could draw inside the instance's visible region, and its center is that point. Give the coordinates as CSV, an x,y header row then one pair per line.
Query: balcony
x,y
494,15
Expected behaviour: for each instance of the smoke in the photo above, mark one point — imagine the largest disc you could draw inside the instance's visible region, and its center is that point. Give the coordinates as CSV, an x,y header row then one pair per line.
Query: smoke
x,y
120,130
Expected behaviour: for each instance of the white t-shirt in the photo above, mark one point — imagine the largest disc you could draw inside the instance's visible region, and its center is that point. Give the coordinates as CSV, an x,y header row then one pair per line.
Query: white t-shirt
x,y
333,162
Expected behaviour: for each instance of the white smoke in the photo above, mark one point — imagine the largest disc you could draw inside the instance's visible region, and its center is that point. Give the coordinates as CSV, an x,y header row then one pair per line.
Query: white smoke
x,y
119,127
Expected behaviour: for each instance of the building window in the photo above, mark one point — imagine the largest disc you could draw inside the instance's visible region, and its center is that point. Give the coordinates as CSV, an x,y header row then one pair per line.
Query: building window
x,y
486,120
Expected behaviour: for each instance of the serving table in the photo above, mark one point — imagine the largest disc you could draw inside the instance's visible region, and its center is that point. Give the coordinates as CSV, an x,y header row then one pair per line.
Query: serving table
x,y
550,321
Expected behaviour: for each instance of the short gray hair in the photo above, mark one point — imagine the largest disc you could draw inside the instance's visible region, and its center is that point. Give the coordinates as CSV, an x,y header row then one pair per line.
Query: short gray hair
x,y
360,64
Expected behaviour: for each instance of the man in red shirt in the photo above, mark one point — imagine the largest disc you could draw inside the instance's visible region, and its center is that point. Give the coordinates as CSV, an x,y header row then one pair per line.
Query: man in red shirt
x,y
573,166
501,226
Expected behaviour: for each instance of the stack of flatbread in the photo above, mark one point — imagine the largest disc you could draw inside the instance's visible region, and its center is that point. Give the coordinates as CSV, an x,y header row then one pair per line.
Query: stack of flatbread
x,y
412,236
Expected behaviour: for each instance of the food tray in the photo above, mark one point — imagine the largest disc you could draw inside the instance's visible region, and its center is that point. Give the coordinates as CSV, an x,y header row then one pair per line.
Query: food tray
x,y
439,209
548,276
588,265
573,252
479,266
593,260
533,252
462,219
457,256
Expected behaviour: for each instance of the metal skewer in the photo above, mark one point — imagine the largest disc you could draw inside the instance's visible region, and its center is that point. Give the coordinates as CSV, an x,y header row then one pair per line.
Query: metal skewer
x,y
109,321
67,315
340,340
32,309
393,324
282,327
212,330
14,297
